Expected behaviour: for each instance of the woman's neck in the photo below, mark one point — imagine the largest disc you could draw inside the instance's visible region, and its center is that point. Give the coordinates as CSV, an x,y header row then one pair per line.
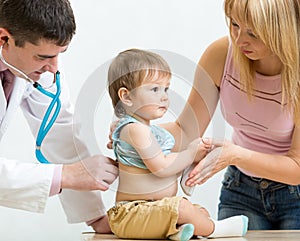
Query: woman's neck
x,y
269,66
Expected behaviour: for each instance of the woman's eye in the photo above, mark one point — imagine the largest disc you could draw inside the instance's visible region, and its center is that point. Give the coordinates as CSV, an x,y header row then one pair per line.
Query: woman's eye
x,y
166,89
234,24
251,34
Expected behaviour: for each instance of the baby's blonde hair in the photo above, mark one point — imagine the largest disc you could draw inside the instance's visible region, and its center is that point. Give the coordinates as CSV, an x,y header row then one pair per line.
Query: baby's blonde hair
x,y
129,69
276,24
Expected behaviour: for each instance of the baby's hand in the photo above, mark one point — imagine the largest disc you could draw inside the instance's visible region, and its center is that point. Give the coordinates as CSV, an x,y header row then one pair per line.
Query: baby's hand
x,y
200,146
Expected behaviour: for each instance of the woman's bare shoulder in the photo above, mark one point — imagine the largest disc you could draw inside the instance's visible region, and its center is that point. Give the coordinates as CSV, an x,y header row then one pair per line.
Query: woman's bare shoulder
x,y
214,57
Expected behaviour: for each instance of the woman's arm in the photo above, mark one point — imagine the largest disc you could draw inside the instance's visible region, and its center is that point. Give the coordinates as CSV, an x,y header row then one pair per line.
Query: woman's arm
x,y
280,168
203,97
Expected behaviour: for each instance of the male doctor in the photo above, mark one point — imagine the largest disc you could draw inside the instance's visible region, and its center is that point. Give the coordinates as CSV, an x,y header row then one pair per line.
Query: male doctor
x,y
32,35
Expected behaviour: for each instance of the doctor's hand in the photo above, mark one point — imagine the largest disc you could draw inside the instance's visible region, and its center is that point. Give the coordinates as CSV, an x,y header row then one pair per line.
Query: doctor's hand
x,y
93,173
221,156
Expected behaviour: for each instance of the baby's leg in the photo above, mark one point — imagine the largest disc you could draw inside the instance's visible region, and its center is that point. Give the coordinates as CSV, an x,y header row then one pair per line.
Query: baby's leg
x,y
199,217
206,227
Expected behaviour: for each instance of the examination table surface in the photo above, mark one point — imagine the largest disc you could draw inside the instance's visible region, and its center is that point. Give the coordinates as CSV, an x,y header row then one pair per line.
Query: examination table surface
x,y
266,235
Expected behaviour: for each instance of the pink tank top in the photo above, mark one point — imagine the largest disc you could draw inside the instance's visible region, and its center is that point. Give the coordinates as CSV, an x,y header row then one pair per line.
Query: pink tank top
x,y
261,124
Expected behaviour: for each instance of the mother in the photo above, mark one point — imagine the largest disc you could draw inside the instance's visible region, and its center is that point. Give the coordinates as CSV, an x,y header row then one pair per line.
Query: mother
x,y
257,72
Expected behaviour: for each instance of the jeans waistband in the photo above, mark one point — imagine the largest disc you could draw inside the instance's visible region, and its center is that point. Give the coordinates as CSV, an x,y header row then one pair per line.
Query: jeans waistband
x,y
260,183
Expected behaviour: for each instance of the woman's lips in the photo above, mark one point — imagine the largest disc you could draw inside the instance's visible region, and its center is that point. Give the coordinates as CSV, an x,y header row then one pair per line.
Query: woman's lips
x,y
244,51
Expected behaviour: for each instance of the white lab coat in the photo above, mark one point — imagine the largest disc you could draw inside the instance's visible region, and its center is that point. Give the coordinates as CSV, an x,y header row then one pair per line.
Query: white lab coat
x,y
26,185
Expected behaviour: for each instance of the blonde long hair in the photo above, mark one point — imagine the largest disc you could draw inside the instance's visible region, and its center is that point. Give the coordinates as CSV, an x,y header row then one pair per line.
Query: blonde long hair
x,y
277,24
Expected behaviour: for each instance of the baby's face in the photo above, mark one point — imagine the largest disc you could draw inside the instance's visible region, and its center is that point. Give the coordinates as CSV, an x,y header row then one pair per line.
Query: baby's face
x,y
150,100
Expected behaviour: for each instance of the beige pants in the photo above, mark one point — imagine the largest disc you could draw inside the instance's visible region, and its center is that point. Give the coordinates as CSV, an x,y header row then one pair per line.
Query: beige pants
x,y
145,219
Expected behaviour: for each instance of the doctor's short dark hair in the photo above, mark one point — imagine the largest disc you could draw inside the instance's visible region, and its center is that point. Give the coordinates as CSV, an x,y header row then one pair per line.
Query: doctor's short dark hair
x,y
129,69
33,20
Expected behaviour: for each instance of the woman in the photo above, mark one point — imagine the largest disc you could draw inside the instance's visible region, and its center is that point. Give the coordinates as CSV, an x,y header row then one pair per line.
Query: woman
x,y
257,73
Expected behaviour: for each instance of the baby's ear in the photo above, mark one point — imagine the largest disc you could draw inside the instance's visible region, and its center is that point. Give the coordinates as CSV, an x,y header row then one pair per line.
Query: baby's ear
x,y
124,95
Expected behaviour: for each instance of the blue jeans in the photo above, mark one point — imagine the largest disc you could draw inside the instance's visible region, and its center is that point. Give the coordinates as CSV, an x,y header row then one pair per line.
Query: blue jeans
x,y
267,204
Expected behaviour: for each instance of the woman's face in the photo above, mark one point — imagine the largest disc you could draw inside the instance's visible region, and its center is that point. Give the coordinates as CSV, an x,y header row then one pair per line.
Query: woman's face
x,y
246,40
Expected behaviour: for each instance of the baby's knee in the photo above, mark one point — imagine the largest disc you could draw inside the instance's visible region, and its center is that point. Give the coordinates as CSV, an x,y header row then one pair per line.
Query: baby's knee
x,y
203,210
185,206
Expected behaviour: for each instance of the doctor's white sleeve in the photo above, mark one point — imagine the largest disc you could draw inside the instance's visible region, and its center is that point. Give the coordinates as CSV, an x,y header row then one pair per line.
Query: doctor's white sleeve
x,y
24,185
63,145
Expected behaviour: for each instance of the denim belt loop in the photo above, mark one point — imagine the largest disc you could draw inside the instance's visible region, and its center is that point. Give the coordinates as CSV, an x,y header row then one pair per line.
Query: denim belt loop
x,y
292,189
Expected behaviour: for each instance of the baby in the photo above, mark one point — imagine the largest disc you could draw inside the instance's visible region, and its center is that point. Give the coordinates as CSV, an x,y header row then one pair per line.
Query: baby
x,y
146,203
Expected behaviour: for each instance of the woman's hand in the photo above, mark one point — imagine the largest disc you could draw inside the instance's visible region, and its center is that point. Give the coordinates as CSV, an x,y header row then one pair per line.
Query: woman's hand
x,y
221,156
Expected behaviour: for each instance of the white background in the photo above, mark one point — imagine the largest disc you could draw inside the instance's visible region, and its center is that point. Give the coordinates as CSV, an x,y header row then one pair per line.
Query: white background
x,y
104,28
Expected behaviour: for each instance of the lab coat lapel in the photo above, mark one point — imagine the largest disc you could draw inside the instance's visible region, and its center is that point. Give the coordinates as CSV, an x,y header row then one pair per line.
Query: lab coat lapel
x,y
2,104
6,114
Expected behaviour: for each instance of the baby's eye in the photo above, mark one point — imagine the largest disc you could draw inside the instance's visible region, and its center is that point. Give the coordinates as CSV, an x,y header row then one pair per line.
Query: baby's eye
x,y
155,89
166,89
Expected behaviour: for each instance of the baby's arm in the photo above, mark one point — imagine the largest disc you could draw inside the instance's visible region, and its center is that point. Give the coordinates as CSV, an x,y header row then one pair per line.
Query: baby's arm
x,y
141,138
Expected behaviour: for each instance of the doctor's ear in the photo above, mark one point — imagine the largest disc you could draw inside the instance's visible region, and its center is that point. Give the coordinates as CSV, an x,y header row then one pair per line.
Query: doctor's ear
x,y
4,41
124,95
4,36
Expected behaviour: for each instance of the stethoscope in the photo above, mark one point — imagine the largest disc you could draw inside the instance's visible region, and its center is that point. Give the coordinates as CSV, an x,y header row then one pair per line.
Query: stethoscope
x,y
47,122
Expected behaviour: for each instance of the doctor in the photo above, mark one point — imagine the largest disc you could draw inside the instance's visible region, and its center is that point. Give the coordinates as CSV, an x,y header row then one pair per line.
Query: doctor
x,y
32,35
